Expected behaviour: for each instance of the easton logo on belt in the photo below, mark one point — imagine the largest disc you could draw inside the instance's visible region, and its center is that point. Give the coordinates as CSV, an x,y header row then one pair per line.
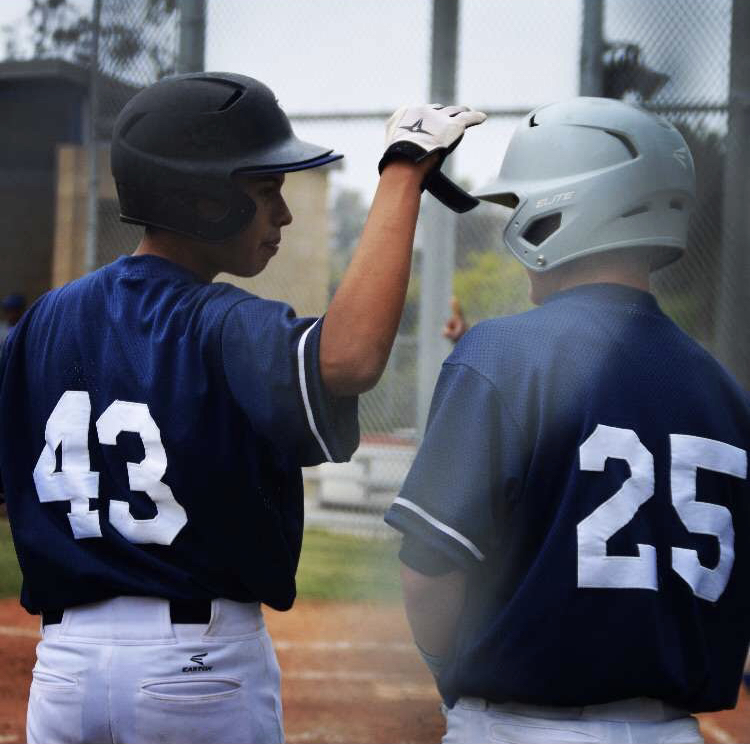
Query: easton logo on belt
x,y
200,666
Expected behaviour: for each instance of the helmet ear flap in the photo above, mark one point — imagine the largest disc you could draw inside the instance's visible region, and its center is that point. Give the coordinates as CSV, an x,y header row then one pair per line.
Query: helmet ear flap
x,y
181,211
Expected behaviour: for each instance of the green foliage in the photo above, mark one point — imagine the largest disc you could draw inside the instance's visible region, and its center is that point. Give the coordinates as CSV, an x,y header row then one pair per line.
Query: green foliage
x,y
333,566
686,310
342,567
10,573
490,284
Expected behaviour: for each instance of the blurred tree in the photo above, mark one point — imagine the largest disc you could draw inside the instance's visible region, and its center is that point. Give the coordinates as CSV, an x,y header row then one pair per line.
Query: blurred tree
x,y
129,34
479,230
348,214
488,281
624,73
491,283
687,289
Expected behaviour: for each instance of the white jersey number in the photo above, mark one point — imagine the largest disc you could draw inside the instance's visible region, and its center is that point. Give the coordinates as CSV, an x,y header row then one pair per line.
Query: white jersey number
x,y
68,428
598,570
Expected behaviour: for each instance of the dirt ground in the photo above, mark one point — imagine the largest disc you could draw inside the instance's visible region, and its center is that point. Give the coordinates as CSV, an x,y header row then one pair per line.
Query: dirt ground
x,y
351,676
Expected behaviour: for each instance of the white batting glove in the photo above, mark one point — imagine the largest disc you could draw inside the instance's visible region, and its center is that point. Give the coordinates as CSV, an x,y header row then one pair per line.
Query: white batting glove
x,y
430,127
414,132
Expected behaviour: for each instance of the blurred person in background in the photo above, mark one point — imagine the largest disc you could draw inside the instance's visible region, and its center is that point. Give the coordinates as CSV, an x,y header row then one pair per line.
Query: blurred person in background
x,y
13,307
576,549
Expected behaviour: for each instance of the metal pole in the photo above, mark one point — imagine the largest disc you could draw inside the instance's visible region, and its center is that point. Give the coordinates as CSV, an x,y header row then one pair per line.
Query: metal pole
x,y
192,36
92,202
438,235
733,312
591,81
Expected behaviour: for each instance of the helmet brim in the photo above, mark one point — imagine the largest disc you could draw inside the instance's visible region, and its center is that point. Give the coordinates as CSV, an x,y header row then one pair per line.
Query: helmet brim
x,y
498,192
287,157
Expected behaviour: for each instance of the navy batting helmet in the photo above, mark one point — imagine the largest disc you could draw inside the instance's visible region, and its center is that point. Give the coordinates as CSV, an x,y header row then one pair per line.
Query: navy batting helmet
x,y
182,139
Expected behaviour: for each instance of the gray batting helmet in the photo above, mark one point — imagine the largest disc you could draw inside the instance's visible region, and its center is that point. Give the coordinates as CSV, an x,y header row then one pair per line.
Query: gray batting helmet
x,y
589,175
182,139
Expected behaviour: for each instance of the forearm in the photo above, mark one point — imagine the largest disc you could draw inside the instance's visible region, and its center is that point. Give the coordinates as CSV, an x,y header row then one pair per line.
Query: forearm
x,y
363,317
433,606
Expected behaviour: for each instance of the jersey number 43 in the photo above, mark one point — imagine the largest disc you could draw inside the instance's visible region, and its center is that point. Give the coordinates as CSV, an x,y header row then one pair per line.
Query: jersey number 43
x,y
68,428
598,570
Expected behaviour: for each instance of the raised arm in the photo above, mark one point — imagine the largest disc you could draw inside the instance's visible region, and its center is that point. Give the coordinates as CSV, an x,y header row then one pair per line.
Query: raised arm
x,y
361,323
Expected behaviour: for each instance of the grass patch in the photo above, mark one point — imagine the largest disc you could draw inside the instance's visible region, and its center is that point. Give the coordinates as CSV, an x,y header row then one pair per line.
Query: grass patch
x,y
332,567
348,568
10,573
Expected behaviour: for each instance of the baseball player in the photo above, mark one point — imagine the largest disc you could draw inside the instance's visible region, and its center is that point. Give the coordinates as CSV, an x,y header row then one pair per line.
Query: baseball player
x,y
153,423
576,524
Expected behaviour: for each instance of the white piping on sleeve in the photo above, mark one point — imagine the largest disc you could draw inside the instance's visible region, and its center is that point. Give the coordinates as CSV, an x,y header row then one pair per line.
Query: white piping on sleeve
x,y
440,526
305,396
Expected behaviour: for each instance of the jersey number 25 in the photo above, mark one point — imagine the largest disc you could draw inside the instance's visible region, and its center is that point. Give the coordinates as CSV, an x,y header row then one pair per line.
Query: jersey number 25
x,y
68,425
598,570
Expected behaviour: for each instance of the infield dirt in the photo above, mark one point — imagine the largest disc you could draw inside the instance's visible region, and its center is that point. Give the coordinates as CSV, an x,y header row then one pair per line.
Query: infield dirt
x,y
350,676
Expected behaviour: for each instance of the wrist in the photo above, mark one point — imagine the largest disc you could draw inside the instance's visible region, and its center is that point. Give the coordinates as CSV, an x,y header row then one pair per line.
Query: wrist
x,y
409,167
405,170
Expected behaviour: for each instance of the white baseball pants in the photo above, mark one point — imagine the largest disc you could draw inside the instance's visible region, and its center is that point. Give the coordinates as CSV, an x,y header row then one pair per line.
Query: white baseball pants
x,y
120,671
635,721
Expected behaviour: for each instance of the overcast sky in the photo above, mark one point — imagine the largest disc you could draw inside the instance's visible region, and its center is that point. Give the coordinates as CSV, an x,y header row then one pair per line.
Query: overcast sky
x,y
374,54
360,55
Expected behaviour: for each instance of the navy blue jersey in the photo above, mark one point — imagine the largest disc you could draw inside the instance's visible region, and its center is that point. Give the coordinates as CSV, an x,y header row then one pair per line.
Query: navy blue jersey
x,y
152,429
586,464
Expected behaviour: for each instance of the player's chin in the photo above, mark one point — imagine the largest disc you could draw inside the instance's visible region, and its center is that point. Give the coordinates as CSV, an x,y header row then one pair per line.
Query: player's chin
x,y
268,250
258,261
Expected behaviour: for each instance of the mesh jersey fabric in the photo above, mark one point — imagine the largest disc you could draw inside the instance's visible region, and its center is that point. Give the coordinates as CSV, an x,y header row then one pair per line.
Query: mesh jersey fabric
x,y
232,383
497,489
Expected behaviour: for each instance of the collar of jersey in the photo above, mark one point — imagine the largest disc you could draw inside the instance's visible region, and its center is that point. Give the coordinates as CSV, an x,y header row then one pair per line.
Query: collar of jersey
x,y
149,265
620,294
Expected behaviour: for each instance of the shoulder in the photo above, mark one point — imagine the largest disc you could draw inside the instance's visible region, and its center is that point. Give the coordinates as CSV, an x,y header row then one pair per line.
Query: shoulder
x,y
707,374
507,338
241,306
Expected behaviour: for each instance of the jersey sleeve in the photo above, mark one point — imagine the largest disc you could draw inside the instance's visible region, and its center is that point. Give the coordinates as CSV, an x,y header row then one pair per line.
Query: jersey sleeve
x,y
271,362
462,478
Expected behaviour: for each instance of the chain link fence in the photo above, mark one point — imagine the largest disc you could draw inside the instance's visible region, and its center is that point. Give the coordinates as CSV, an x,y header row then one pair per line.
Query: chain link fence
x,y
654,54
339,68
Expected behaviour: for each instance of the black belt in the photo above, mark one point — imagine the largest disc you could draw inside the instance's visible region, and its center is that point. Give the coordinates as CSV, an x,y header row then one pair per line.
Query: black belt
x,y
181,612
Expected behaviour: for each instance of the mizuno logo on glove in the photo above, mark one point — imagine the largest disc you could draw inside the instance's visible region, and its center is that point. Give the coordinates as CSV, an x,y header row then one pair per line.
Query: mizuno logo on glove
x,y
416,128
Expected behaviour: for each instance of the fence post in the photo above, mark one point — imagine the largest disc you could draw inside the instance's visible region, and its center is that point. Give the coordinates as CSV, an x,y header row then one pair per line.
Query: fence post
x,y
438,235
733,314
591,82
92,153
192,36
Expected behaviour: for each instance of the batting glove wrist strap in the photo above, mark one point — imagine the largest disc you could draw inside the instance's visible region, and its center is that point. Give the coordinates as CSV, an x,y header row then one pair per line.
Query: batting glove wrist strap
x,y
414,132
402,150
